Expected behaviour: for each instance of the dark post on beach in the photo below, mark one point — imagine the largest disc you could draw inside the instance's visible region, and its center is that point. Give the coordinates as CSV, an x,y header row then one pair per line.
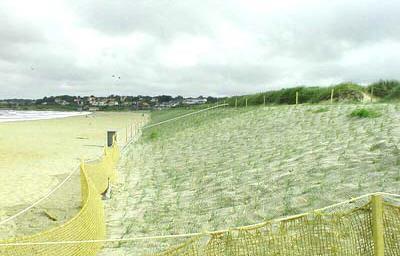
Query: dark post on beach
x,y
110,136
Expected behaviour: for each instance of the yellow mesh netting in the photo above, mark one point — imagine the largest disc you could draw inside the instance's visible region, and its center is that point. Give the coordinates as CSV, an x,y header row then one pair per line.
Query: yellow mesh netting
x,y
338,232
391,220
88,224
346,229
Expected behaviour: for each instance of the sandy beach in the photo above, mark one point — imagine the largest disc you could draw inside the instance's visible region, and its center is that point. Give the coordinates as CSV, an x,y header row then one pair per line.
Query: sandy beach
x,y
36,155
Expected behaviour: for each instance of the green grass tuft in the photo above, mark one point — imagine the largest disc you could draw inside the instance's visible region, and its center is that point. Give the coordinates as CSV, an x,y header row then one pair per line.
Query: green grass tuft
x,y
365,113
154,135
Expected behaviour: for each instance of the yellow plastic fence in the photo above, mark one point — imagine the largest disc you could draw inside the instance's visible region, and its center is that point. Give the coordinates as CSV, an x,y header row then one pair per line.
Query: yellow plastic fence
x,y
88,224
371,228
362,226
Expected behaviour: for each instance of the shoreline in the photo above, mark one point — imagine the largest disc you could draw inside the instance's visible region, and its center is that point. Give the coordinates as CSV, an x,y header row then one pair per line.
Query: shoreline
x,y
34,115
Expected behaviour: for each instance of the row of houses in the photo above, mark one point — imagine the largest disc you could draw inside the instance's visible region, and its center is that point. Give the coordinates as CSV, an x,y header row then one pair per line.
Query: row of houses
x,y
112,101
138,102
100,102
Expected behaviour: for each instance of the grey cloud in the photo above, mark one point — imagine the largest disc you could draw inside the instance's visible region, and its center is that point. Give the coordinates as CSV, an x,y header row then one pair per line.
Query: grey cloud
x,y
13,30
308,44
163,18
16,35
328,30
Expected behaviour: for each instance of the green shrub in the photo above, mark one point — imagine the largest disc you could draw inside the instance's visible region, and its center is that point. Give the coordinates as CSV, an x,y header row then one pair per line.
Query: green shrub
x,y
394,94
365,113
348,92
384,88
315,94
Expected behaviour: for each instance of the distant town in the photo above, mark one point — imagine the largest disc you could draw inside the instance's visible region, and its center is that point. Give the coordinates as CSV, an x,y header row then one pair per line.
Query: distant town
x,y
112,102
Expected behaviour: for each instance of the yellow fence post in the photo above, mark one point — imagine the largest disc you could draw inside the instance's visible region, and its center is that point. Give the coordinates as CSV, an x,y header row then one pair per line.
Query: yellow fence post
x,y
377,225
332,95
135,129
372,93
297,98
84,187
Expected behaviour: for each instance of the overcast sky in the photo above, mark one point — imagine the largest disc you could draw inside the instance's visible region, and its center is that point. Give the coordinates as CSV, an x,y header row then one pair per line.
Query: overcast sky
x,y
191,48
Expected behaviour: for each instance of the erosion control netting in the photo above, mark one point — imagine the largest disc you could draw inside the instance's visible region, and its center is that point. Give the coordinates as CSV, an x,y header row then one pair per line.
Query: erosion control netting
x,y
88,224
331,231
391,220
236,167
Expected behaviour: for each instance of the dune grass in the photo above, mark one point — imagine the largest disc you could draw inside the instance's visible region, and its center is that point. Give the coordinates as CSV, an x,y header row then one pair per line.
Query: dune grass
x,y
365,113
344,92
232,167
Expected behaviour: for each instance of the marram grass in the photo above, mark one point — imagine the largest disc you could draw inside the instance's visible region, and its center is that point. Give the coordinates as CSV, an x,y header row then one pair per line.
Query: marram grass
x,y
233,167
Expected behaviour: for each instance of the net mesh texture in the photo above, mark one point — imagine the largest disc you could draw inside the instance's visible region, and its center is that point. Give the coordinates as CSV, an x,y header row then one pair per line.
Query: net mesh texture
x,y
329,232
88,224
343,230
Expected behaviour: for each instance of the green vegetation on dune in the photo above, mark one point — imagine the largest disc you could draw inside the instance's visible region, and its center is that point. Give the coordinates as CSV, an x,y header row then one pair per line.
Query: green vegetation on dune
x,y
344,92
162,115
167,114
385,89
394,94
231,167
365,113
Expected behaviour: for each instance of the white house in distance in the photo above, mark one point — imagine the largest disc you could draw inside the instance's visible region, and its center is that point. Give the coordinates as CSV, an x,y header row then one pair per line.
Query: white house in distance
x,y
61,102
194,101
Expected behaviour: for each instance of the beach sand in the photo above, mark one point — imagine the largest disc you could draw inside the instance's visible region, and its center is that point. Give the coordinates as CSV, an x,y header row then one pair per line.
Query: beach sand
x,y
36,155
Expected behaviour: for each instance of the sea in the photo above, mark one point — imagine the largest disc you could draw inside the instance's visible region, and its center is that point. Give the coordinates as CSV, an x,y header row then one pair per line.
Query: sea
x,y
16,115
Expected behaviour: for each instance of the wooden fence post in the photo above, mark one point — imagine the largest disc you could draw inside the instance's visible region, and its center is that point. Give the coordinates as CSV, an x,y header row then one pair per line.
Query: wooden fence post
x,y
110,137
264,100
236,103
372,93
332,95
297,98
377,225
246,102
